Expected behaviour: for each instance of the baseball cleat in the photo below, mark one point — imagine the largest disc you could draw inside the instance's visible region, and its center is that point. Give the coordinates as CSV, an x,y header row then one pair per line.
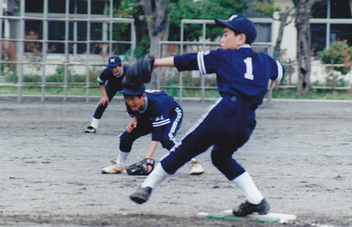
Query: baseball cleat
x,y
196,168
141,195
248,208
90,129
114,168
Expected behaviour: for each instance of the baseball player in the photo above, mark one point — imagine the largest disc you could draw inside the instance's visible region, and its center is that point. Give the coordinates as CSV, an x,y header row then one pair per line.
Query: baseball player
x,y
110,81
155,112
242,79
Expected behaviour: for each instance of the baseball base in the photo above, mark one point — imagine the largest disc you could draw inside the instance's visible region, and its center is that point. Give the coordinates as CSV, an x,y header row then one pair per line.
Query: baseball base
x,y
269,217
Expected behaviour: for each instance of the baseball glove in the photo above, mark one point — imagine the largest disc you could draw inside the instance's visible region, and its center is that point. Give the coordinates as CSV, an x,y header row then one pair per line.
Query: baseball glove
x,y
140,72
140,168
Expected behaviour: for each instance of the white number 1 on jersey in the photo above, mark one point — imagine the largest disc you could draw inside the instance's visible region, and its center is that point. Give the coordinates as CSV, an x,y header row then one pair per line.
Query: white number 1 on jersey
x,y
249,69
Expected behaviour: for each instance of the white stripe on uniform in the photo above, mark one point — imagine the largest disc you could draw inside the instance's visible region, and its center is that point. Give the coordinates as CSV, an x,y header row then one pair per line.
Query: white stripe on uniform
x,y
201,65
161,123
174,125
280,71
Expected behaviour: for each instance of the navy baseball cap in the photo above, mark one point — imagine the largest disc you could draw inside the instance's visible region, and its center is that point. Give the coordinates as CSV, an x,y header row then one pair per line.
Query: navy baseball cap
x,y
239,23
133,90
114,61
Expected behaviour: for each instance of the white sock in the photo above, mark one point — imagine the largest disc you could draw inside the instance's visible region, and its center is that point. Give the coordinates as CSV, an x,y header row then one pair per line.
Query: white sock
x,y
246,184
155,177
121,158
95,123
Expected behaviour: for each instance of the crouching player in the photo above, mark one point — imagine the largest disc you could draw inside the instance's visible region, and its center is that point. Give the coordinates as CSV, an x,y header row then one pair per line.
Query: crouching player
x,y
155,112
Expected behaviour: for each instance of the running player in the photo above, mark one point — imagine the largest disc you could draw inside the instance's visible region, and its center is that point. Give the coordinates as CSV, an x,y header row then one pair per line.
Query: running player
x,y
155,112
242,79
110,81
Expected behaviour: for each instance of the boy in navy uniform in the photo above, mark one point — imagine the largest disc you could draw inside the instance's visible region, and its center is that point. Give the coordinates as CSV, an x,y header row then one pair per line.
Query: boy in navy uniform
x,y
110,81
153,111
242,79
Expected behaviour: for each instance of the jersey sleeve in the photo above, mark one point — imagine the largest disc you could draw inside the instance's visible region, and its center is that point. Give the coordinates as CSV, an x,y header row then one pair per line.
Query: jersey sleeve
x,y
186,62
278,70
103,77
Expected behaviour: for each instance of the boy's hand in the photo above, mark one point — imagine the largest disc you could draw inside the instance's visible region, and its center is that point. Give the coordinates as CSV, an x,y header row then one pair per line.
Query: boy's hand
x,y
273,84
104,100
131,126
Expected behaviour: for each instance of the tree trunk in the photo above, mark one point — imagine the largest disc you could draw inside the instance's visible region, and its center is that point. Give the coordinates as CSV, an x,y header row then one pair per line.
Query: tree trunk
x,y
157,17
281,29
303,14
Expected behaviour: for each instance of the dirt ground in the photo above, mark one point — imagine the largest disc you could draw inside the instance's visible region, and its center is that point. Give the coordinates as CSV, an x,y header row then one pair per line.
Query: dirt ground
x,y
300,157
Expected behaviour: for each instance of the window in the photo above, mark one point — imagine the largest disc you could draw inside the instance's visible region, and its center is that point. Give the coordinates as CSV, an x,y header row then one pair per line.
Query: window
x,y
57,6
318,34
340,9
330,24
34,6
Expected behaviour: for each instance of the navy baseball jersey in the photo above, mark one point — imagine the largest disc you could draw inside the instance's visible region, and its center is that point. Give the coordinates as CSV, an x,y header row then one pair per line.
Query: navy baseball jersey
x,y
158,108
243,73
112,79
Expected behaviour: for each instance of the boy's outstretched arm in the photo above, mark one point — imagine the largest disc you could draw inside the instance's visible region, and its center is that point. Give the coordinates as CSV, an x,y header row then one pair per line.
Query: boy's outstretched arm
x,y
168,61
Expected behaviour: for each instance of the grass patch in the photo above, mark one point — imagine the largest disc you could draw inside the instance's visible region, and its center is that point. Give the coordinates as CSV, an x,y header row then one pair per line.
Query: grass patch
x,y
327,94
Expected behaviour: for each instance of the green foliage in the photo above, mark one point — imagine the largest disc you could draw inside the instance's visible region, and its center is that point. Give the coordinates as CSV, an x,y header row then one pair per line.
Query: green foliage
x,y
122,32
143,47
266,7
318,94
182,9
201,10
338,53
125,8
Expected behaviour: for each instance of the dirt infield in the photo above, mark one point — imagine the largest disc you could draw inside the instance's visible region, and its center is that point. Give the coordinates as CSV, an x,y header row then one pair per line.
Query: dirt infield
x,y
300,156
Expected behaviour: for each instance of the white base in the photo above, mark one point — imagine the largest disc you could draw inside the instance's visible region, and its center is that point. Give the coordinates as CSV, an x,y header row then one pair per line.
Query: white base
x,y
282,217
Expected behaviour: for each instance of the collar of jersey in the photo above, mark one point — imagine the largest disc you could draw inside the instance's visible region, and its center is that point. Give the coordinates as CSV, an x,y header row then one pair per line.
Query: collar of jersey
x,y
119,74
145,106
244,46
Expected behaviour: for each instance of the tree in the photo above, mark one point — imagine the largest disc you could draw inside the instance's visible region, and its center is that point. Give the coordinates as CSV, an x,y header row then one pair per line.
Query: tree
x,y
163,16
268,7
157,17
201,10
283,23
303,14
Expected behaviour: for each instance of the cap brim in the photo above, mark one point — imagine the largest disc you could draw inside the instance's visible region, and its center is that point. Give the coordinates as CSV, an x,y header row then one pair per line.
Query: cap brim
x,y
113,65
130,92
222,23
226,23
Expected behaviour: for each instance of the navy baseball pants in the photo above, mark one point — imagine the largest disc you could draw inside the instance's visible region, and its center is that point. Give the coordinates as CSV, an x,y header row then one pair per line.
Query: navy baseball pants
x,y
143,128
227,125
111,91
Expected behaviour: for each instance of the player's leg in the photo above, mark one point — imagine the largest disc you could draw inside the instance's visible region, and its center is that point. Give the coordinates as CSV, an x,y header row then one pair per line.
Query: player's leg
x,y
126,141
190,147
222,159
197,140
111,91
169,139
